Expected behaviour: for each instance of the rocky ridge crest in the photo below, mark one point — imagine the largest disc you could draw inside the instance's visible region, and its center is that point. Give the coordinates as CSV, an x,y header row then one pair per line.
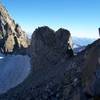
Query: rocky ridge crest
x,y
12,37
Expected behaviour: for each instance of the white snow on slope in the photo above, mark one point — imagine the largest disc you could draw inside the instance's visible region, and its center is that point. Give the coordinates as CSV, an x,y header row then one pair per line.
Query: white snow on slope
x,y
13,71
1,56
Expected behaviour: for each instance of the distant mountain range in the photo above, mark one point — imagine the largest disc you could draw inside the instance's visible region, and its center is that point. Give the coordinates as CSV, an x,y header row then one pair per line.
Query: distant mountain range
x,y
82,41
79,44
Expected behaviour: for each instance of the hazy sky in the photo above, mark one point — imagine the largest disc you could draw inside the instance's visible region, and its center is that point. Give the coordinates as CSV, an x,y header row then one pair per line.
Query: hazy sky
x,y
80,17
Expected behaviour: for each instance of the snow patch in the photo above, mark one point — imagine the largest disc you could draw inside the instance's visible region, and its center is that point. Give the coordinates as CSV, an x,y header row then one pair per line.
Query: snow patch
x,y
13,71
1,56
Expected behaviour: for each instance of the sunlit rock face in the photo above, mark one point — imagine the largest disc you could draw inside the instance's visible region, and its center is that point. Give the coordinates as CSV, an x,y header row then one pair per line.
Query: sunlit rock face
x,y
8,30
48,46
9,44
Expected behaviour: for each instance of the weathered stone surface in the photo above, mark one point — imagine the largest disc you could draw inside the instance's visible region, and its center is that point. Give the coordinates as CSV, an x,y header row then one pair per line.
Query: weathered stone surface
x,y
48,47
91,70
8,30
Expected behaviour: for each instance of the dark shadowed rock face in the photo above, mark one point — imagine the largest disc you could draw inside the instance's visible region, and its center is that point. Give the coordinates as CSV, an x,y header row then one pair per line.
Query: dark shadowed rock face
x,y
42,38
48,47
62,37
56,77
91,70
8,30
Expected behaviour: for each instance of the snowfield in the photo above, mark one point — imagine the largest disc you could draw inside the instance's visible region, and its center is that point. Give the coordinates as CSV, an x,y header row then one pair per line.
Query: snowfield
x,y
13,71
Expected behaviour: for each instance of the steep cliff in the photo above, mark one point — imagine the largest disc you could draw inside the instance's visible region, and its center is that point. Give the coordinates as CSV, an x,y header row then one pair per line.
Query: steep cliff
x,y
12,37
48,47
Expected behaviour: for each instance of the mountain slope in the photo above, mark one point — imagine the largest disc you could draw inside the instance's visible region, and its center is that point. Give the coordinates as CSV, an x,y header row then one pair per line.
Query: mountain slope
x,y
13,70
63,80
12,37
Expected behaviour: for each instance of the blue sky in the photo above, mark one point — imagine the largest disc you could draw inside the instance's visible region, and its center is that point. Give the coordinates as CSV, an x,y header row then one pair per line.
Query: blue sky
x,y
80,17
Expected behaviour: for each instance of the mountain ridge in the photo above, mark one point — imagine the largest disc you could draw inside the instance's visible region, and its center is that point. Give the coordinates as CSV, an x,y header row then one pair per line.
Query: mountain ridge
x,y
11,34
